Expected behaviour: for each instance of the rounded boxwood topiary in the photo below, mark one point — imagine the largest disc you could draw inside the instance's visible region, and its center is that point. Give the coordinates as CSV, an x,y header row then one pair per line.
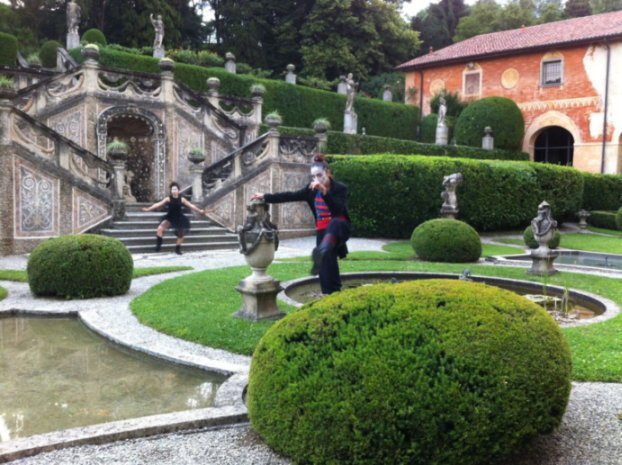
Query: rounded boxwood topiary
x,y
80,266
47,53
8,49
531,242
619,218
94,36
500,113
446,240
422,372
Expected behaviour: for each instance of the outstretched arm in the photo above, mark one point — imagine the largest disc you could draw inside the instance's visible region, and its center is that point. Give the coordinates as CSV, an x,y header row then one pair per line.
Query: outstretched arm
x,y
192,206
156,205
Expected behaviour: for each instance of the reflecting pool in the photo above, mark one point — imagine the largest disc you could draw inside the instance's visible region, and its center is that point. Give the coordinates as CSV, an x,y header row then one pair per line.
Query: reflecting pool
x,y
56,374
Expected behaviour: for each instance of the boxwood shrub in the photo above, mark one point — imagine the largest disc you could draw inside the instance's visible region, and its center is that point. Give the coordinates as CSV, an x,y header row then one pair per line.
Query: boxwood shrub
x,y
500,113
94,36
298,105
390,195
619,218
419,373
446,240
603,219
80,266
47,53
8,49
428,128
602,191
531,242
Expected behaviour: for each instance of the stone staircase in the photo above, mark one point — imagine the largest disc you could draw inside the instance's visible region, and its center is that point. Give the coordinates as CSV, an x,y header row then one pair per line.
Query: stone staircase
x,y
137,232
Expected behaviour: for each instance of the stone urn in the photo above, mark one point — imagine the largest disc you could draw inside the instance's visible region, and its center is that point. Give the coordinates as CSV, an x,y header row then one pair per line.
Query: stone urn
x,y
196,156
117,150
583,216
259,240
166,65
273,120
91,53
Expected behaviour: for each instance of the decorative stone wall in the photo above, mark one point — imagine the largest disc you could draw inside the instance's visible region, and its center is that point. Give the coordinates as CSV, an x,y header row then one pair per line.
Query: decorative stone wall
x,y
186,136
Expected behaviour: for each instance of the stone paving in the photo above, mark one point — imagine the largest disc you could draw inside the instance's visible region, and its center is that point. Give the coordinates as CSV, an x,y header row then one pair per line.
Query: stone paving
x,y
590,434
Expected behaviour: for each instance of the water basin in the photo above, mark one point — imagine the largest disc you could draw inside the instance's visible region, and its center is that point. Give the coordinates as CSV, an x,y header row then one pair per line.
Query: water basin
x,y
579,258
56,374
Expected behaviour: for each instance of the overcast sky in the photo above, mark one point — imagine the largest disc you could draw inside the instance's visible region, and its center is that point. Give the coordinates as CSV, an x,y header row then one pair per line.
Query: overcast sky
x,y
415,6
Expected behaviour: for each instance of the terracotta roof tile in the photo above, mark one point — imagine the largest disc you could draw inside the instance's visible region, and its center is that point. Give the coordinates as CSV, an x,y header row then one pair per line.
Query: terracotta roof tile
x,y
556,34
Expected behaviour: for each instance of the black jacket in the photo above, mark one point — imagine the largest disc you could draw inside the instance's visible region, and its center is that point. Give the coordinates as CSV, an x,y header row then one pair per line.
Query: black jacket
x,y
335,198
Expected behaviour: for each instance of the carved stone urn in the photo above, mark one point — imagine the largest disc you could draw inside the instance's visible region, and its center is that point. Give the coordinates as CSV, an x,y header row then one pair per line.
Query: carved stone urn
x,y
259,240
543,227
91,53
583,216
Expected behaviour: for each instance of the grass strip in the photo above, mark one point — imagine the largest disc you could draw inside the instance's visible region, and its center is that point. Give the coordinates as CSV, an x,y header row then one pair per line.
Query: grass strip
x,y
22,276
3,293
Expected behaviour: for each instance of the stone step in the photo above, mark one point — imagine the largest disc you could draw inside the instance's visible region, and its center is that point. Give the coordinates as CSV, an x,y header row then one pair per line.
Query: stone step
x,y
150,232
171,239
150,224
186,247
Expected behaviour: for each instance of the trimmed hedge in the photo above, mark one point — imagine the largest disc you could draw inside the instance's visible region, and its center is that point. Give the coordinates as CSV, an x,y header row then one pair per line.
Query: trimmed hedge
x,y
619,218
80,266
390,195
298,105
3,293
428,128
602,191
8,49
500,113
603,219
446,240
47,53
418,373
94,36
530,240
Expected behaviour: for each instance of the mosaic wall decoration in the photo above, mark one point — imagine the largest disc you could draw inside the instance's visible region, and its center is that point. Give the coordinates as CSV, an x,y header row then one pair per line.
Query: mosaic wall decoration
x,y
70,124
187,137
87,211
36,202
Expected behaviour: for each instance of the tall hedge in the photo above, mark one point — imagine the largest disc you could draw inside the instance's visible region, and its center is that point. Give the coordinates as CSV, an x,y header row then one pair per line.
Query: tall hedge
x,y
47,53
298,105
500,113
390,195
602,191
8,49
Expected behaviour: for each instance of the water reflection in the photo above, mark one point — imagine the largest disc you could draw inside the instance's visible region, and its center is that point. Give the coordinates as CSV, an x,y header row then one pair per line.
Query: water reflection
x,y
56,374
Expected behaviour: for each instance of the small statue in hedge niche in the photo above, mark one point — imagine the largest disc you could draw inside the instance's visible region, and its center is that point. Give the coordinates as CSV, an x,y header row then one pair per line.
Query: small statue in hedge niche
x,y
450,200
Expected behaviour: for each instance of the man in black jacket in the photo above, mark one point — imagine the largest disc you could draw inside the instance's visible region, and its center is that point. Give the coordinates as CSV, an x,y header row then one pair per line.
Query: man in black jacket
x,y
327,200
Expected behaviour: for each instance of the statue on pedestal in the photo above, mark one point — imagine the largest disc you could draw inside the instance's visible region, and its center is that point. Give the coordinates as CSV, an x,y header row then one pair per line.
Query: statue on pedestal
x,y
449,209
350,93
73,17
442,131
442,111
158,26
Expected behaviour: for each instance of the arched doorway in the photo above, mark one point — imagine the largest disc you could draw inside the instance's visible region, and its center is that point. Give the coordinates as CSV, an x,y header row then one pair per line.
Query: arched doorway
x,y
143,131
137,132
554,145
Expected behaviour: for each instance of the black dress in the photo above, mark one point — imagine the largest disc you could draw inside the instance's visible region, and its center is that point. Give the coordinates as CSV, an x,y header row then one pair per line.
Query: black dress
x,y
174,215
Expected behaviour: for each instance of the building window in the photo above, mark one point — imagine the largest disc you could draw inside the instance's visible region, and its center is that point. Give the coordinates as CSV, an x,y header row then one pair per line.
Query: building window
x,y
552,73
472,83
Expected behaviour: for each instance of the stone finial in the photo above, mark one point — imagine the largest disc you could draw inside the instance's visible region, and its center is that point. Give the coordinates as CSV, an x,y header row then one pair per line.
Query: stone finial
x,y
273,120
213,83
230,62
488,141
583,216
91,53
166,65
290,77
387,94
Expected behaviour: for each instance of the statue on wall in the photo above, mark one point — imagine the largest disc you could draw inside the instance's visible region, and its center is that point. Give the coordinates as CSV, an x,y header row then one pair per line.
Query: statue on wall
x,y
350,93
158,26
73,17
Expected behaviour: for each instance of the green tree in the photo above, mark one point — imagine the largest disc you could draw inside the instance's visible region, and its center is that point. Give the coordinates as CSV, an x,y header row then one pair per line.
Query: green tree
x,y
481,20
577,8
364,37
549,11
437,23
604,6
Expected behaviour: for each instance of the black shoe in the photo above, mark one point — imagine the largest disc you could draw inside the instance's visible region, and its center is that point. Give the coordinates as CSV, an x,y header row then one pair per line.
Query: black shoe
x,y
178,249
158,244
317,256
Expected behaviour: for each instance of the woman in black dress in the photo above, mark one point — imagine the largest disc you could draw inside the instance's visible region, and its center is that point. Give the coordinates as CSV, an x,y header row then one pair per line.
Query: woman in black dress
x,y
174,216
326,198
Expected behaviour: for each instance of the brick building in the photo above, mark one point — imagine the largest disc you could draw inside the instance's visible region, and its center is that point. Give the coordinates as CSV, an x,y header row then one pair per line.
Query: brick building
x,y
564,76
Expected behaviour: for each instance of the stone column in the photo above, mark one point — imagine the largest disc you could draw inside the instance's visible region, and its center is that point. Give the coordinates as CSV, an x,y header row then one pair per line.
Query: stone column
x,y
320,128
6,106
290,77
257,93
197,157
230,62
488,142
274,137
91,67
213,84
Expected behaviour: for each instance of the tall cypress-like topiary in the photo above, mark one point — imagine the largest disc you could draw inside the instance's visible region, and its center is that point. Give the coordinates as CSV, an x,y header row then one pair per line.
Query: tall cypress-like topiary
x,y
47,53
8,49
501,114
417,373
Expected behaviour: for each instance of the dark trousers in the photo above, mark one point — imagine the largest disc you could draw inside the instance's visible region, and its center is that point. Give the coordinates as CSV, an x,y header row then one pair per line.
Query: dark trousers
x,y
330,281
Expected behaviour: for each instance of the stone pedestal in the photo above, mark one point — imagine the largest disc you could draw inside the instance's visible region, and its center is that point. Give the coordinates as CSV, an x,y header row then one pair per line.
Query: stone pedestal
x,y
442,134
488,142
158,52
72,40
259,299
387,95
350,122
542,260
230,63
583,216
449,212
290,77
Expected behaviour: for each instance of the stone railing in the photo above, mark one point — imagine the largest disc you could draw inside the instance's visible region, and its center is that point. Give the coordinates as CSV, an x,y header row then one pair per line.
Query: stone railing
x,y
60,151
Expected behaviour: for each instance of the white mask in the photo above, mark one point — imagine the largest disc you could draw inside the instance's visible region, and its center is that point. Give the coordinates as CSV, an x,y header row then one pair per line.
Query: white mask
x,y
319,175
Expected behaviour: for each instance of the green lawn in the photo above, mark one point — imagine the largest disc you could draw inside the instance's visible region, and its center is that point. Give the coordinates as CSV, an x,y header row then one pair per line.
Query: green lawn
x,y
3,293
583,241
22,276
198,307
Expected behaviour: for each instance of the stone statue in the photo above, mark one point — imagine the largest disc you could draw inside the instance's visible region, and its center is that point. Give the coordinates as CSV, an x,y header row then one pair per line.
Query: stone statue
x,y
442,111
127,187
451,182
256,226
543,222
158,25
73,17
350,93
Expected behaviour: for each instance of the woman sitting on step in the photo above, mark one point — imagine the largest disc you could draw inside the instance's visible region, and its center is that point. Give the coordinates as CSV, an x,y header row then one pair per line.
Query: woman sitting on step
x,y
174,216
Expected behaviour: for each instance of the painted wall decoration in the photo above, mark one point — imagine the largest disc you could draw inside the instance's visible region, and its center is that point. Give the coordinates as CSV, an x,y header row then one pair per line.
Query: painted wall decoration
x,y
69,124
36,202
87,211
